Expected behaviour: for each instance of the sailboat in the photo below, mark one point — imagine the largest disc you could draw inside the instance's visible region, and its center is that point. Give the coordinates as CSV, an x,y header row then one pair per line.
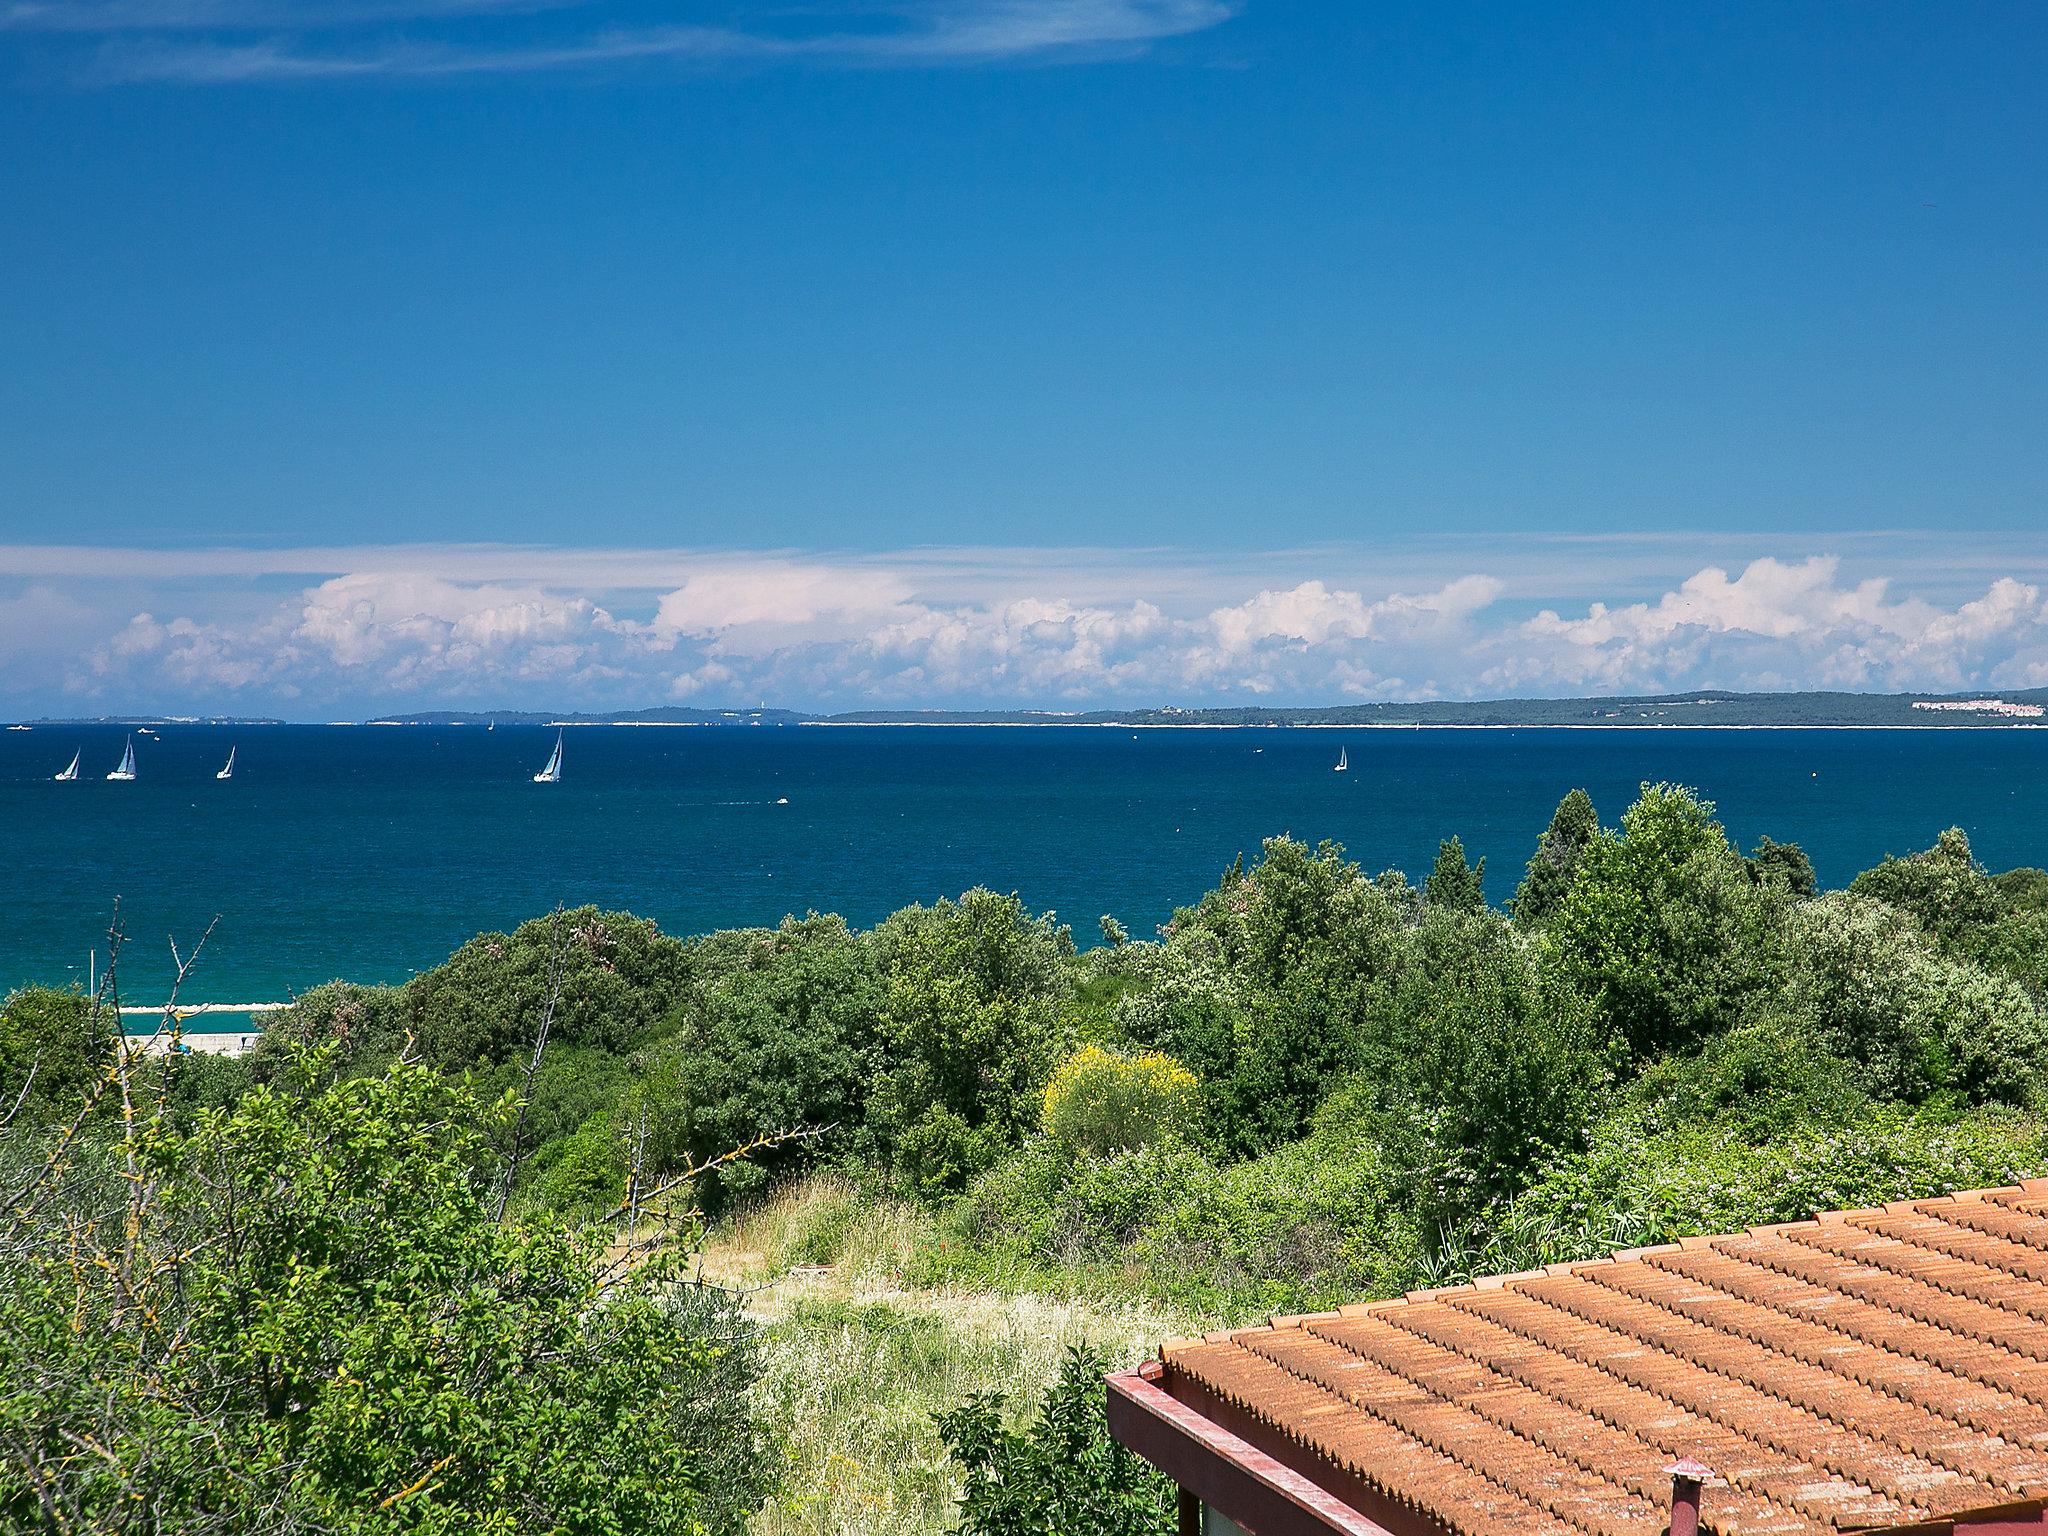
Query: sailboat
x,y
126,772
229,771
552,774
72,772
1343,761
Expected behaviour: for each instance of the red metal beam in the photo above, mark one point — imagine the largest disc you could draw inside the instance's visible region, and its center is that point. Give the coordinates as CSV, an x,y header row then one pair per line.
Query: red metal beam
x,y
1224,1471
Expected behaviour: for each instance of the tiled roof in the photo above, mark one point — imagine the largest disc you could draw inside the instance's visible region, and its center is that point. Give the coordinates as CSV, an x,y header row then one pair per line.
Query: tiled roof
x,y
1865,1370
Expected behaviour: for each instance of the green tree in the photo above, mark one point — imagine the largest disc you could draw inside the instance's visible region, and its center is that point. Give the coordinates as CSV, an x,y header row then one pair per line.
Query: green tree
x,y
781,1036
970,997
612,978
1663,929
1273,979
1944,887
1453,884
52,1049
1479,1075
1787,865
2022,890
1573,827
300,1314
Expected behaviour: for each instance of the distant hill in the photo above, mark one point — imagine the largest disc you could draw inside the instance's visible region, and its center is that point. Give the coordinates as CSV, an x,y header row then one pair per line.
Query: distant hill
x,y
2003,708
1704,707
664,716
154,720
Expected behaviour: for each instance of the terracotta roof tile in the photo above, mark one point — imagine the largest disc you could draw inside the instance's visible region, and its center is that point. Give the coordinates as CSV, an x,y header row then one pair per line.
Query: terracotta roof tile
x,y
1868,1369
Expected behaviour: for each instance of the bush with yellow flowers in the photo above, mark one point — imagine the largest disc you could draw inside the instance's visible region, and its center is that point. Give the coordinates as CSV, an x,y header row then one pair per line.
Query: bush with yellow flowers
x,y
1101,1101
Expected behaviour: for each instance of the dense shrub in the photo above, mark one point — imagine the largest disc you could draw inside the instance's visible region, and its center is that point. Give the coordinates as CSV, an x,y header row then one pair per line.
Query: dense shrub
x,y
613,978
1663,928
1756,1082
1102,1101
1047,1203
1181,999
1998,922
780,1036
2015,946
1478,1073
1312,1223
1282,966
52,1048
1864,980
1643,1181
1944,888
367,1026
2022,890
1063,1473
303,1316
970,1000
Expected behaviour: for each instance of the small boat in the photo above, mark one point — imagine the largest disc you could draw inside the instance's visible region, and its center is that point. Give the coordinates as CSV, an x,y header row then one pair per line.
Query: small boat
x,y
229,771
20,727
126,772
552,774
782,800
72,772
1343,761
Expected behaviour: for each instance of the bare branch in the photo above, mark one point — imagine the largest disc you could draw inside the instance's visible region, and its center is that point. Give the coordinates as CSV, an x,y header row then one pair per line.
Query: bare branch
x,y
21,1098
540,1044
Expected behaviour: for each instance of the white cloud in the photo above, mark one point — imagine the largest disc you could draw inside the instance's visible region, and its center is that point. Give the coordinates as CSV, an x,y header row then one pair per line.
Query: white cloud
x,y
1777,624
1313,615
474,627
207,42
427,622
785,600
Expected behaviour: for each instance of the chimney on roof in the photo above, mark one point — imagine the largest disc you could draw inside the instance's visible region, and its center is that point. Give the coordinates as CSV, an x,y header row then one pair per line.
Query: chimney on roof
x,y
1687,1476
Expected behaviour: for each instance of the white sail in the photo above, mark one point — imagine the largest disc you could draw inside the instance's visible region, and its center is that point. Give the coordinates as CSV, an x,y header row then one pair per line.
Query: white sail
x,y
229,771
72,772
1343,761
552,774
127,769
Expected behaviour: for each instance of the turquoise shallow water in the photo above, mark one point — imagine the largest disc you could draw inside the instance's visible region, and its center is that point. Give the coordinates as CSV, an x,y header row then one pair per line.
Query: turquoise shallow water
x,y
369,853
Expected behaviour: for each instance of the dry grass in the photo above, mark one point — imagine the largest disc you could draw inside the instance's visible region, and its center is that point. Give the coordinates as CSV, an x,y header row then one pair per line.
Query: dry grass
x,y
858,1361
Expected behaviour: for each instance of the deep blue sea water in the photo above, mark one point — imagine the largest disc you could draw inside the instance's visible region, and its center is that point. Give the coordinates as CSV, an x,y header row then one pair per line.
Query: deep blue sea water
x,y
369,853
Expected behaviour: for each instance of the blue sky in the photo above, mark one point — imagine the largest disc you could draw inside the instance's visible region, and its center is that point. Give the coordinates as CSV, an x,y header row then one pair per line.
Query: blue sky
x,y
950,350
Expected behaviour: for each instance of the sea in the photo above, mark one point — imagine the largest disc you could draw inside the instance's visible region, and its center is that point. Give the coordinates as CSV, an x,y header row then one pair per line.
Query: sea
x,y
369,853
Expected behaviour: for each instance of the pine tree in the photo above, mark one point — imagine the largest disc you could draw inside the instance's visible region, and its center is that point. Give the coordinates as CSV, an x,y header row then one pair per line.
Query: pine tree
x,y
1453,884
1572,828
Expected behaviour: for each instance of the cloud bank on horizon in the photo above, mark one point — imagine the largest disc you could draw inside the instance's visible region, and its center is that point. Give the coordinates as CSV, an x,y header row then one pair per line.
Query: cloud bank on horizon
x,y
93,631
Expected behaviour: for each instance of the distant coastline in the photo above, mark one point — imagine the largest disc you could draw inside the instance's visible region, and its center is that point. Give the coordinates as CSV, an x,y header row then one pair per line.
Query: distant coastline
x,y
1710,709
1431,725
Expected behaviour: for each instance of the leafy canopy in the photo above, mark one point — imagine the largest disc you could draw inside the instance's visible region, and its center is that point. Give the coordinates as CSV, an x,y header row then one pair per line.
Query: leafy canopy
x,y
300,1314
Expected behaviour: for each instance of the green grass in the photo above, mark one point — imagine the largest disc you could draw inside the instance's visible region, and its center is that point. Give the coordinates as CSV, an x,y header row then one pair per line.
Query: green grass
x,y
859,1356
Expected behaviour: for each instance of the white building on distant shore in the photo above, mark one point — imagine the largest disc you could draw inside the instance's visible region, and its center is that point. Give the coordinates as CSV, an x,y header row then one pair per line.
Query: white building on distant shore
x,y
1984,707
